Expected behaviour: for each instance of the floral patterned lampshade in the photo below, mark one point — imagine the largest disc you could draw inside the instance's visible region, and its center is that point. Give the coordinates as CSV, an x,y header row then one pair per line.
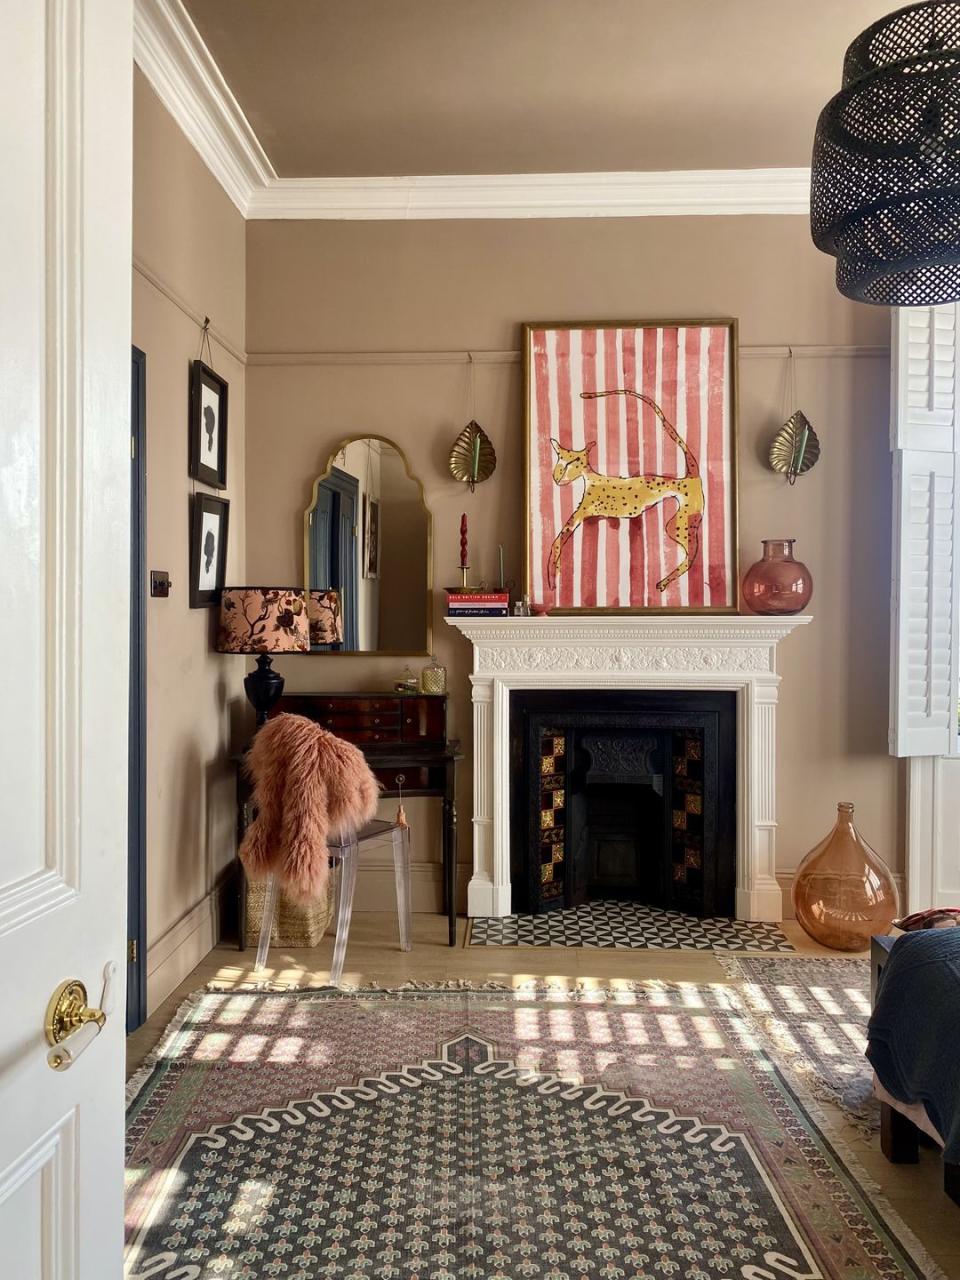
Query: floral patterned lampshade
x,y
326,617
263,620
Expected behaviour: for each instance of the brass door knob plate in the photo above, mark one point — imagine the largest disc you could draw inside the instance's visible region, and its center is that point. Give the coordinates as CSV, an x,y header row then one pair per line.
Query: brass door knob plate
x,y
69,1016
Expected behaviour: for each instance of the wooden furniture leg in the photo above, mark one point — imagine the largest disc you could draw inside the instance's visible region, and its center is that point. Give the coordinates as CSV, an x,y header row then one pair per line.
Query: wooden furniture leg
x,y
450,850
898,1136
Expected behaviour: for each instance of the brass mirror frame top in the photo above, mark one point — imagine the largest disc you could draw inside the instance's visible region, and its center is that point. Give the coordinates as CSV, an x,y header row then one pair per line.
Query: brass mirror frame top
x,y
428,621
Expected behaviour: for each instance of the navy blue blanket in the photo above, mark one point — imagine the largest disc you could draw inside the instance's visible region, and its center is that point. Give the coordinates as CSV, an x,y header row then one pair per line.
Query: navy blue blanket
x,y
913,1038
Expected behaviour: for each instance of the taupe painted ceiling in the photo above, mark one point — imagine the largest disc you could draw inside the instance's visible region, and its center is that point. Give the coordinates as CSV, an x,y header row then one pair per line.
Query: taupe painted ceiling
x,y
344,88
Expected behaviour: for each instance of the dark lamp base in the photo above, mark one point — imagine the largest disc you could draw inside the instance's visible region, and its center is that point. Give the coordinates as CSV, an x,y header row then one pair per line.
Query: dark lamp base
x,y
264,686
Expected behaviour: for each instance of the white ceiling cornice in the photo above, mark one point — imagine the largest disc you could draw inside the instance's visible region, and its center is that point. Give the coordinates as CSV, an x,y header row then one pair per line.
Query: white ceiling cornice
x,y
170,52
539,195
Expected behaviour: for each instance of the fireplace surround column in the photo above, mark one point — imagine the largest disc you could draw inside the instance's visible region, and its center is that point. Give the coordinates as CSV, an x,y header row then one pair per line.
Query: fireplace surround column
x,y
637,652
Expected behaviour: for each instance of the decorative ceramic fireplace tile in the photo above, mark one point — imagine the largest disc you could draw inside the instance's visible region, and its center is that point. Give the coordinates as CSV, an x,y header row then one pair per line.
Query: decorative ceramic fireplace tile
x,y
687,815
552,812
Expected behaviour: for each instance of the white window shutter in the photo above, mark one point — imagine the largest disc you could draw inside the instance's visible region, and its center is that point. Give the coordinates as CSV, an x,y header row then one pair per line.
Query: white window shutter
x,y
924,648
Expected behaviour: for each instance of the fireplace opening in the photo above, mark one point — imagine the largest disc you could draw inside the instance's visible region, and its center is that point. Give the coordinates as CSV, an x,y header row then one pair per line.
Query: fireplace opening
x,y
625,795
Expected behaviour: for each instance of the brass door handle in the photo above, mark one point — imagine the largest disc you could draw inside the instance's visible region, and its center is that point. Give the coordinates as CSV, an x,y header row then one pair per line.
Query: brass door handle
x,y
70,1024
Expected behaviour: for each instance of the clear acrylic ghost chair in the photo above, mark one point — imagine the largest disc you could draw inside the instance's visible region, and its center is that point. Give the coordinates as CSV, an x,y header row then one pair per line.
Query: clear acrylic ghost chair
x,y
345,856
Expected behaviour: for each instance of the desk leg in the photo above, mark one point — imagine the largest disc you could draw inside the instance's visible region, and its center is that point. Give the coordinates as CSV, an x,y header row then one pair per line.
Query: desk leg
x,y
450,851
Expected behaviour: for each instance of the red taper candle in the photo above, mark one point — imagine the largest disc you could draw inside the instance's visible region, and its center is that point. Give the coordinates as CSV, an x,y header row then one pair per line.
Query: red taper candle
x,y
463,541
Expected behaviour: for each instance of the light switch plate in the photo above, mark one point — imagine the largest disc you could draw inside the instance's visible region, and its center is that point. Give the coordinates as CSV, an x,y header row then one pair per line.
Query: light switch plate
x,y
160,583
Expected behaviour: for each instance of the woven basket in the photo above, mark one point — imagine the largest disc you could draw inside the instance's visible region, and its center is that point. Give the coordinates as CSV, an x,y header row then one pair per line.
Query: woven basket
x,y
295,924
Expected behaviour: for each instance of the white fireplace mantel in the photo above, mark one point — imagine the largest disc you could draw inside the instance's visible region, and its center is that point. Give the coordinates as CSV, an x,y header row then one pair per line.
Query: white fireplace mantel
x,y
693,651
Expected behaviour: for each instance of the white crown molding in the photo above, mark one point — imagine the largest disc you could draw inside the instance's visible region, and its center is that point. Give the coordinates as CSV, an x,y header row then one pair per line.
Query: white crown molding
x,y
538,195
171,54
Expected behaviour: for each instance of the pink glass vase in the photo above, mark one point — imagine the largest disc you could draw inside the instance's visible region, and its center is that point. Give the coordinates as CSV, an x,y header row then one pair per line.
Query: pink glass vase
x,y
777,583
843,893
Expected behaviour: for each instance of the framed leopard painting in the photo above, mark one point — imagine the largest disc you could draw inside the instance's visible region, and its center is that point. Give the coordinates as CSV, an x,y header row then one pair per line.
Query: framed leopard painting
x,y
631,467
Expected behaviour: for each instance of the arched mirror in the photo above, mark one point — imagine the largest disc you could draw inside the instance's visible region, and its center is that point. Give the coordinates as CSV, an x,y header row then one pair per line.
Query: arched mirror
x,y
368,537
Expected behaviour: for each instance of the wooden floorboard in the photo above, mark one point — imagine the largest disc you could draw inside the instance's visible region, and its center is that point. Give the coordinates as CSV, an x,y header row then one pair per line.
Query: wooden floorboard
x,y
915,1191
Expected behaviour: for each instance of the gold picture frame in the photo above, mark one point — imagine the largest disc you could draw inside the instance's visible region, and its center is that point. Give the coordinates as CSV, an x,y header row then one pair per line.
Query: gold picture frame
x,y
657,517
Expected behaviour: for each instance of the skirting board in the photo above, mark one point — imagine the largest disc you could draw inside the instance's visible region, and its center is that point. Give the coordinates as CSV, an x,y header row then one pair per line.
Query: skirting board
x,y
178,951
376,888
785,880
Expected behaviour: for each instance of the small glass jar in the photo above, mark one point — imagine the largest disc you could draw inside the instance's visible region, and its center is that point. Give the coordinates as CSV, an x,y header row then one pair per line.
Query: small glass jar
x,y
433,677
778,583
408,682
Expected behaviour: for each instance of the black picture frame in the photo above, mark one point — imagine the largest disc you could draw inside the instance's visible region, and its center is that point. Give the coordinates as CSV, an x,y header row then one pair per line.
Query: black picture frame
x,y
208,565
208,426
371,537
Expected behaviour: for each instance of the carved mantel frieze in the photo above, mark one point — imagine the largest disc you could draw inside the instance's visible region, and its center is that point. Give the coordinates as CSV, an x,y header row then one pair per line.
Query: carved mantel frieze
x,y
661,658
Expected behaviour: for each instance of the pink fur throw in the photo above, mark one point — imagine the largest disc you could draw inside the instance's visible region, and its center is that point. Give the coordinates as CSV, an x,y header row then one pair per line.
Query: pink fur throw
x,y
308,785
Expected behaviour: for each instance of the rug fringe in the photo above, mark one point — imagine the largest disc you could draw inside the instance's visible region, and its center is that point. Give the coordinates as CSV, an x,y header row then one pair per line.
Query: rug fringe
x,y
143,1072
731,965
575,988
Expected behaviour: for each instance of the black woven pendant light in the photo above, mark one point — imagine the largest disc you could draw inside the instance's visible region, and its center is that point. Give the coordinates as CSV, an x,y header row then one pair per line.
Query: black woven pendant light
x,y
885,189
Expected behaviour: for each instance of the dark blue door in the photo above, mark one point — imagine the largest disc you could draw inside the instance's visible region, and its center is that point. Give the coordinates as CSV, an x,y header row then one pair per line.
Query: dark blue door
x,y
334,537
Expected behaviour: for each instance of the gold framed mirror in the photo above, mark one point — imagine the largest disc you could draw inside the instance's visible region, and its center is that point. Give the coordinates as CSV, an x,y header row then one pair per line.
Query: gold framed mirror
x,y
368,535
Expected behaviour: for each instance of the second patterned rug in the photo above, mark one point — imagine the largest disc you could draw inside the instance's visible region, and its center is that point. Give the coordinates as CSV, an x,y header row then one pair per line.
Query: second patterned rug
x,y
812,1012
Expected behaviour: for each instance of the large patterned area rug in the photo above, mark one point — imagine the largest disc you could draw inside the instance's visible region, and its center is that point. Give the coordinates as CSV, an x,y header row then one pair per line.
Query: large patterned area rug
x,y
489,1135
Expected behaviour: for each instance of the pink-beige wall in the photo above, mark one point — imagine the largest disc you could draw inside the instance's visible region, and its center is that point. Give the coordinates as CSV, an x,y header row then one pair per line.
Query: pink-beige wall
x,y
189,262
361,328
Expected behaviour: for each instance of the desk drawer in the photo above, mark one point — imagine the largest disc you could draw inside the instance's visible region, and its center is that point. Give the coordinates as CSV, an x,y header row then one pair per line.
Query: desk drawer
x,y
344,722
423,719
367,736
371,718
351,705
415,779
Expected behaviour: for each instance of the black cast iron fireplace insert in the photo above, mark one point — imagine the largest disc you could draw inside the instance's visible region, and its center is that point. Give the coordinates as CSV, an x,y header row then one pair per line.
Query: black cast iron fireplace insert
x,y
623,794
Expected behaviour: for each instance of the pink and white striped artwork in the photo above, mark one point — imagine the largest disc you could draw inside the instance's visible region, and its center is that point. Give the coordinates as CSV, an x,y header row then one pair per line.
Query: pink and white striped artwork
x,y
631,466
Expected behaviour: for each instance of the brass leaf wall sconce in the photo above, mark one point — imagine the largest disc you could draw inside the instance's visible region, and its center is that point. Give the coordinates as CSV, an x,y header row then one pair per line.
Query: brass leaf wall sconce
x,y
796,447
473,458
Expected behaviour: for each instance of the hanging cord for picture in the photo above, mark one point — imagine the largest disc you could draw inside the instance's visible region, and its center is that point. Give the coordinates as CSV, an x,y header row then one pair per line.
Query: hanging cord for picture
x,y
475,442
368,467
206,352
791,406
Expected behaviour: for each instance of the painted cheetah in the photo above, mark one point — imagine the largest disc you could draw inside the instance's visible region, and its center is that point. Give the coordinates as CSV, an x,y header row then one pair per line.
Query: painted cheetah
x,y
627,497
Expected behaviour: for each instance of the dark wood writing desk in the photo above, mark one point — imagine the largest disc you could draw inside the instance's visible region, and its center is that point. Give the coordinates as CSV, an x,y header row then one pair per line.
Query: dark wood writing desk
x,y
404,739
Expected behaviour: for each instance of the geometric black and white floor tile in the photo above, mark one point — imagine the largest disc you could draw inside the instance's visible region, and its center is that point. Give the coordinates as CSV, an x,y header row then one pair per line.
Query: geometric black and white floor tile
x,y
625,926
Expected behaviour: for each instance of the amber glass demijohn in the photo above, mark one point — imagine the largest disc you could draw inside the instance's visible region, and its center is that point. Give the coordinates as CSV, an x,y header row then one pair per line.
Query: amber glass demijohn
x,y
778,583
843,892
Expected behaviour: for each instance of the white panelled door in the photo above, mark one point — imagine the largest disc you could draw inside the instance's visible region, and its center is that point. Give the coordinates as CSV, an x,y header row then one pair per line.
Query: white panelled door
x,y
65,122
925,667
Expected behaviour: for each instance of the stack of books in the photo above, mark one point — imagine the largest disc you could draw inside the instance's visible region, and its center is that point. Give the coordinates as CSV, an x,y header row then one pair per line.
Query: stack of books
x,y
478,604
